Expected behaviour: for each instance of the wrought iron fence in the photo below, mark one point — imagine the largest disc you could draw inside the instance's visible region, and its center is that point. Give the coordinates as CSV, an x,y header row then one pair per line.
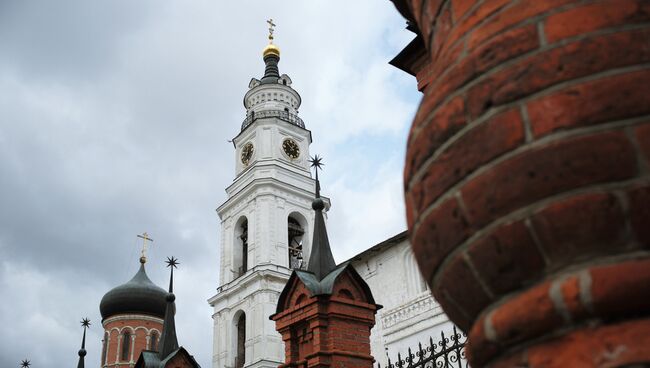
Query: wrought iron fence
x,y
282,115
448,352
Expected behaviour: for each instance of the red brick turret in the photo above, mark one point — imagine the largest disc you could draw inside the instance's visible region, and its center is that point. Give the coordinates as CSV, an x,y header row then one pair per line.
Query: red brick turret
x,y
528,179
326,327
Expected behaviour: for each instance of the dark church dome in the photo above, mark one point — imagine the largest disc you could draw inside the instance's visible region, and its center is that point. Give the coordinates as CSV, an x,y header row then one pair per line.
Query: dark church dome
x,y
138,296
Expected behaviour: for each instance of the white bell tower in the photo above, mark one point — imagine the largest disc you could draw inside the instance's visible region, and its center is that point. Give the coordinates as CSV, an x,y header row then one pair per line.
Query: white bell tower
x,y
266,222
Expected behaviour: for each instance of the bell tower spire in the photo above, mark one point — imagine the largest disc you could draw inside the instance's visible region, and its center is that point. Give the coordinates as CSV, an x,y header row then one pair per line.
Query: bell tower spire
x,y
267,221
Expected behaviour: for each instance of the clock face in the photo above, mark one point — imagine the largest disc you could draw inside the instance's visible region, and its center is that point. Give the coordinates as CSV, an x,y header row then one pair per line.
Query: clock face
x,y
291,148
247,153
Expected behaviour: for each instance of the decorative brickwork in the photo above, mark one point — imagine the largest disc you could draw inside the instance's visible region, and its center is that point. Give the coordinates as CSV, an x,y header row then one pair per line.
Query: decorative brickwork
x,y
527,176
331,329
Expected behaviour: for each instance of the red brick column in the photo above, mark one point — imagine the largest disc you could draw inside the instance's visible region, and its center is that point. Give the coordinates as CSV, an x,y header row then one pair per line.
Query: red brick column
x,y
528,177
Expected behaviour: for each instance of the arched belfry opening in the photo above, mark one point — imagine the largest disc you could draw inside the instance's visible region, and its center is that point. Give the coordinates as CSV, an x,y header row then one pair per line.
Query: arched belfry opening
x,y
240,249
240,345
295,232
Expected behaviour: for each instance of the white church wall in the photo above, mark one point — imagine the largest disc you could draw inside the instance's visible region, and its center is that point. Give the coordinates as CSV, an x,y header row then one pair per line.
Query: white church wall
x,y
409,315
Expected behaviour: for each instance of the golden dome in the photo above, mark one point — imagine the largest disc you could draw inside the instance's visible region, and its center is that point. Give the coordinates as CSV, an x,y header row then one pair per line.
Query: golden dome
x,y
271,49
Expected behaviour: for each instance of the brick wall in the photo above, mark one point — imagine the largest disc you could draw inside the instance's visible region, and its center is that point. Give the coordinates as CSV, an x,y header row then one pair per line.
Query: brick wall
x,y
527,177
140,326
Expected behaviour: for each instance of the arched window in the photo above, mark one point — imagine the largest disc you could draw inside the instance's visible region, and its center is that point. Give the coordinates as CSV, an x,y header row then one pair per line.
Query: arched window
x,y
241,341
240,247
104,346
153,341
415,282
295,232
126,345
345,293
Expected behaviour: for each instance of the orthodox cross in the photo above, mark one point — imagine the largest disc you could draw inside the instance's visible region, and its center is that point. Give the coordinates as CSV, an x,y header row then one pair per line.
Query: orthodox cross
x,y
271,25
144,238
25,363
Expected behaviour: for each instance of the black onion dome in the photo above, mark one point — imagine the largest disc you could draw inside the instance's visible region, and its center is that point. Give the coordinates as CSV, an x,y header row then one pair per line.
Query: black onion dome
x,y
139,296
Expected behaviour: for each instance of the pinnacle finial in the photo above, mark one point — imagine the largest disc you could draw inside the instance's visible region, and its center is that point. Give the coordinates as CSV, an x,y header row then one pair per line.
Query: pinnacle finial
x,y
168,341
317,163
172,263
85,323
25,363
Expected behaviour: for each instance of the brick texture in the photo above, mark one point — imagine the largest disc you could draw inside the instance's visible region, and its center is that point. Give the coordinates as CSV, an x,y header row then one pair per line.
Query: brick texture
x,y
527,177
327,330
507,258
139,326
565,240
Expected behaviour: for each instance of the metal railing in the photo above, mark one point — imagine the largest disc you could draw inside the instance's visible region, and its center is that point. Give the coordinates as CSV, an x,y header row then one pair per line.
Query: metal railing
x,y
282,115
241,271
448,352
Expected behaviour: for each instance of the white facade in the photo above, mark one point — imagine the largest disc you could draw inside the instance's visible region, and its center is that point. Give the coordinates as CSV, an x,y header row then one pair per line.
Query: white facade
x,y
409,315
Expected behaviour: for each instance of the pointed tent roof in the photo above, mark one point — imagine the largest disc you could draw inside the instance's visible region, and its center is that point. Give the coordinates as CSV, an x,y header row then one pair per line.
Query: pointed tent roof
x,y
321,260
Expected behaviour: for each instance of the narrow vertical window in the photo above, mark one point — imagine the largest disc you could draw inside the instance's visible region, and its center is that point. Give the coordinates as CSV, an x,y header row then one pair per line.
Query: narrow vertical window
x,y
241,341
104,346
126,345
295,232
153,341
244,240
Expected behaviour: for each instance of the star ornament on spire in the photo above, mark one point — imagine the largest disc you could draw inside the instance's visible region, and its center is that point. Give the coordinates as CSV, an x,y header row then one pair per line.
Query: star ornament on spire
x,y
172,262
85,322
317,162
25,363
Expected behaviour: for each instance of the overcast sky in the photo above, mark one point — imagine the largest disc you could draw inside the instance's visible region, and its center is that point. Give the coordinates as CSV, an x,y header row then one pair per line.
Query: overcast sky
x,y
114,120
